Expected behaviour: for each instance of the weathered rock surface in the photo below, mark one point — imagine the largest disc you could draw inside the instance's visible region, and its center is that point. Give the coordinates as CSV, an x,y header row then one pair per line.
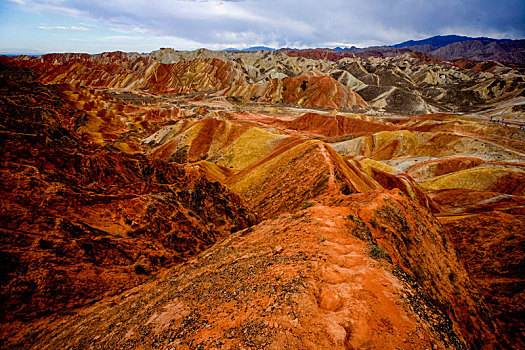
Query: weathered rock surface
x,y
401,82
81,222
214,199
270,285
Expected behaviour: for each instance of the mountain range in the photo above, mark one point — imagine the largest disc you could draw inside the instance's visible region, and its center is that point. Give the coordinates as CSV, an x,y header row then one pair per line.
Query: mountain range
x,y
444,40
453,47
302,199
447,47
253,48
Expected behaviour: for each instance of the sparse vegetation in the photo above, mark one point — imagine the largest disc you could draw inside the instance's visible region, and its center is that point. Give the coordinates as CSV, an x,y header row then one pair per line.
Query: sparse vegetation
x,y
361,230
376,251
307,204
142,267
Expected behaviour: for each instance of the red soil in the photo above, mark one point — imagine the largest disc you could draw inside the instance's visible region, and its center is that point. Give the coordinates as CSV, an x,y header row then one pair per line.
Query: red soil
x,y
335,126
448,165
488,244
80,222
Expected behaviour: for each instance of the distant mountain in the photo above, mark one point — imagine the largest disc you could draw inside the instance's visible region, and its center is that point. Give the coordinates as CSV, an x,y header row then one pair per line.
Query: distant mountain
x,y
443,40
21,54
250,49
20,51
345,48
507,51
455,47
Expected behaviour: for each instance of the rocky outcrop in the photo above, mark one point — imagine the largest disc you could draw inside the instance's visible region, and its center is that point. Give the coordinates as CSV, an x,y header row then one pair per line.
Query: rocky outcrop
x,y
197,200
81,222
309,90
335,126
486,241
339,269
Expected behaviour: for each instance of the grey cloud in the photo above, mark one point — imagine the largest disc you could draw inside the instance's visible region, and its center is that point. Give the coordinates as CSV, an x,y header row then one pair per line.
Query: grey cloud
x,y
75,28
303,23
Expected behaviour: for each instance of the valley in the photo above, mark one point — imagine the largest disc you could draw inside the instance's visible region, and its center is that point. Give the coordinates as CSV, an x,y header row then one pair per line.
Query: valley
x,y
267,199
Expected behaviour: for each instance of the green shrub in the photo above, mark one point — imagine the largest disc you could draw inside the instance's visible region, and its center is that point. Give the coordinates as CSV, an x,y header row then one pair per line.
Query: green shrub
x,y
376,251
307,204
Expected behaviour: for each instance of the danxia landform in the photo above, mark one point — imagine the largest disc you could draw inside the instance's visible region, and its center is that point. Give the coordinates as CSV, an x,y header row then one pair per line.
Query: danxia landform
x,y
285,199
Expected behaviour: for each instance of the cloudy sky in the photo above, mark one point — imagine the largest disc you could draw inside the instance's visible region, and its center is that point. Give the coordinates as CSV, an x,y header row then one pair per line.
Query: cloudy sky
x,y
144,25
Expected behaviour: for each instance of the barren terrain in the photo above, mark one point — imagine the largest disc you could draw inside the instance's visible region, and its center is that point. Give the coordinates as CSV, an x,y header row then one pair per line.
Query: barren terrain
x,y
286,199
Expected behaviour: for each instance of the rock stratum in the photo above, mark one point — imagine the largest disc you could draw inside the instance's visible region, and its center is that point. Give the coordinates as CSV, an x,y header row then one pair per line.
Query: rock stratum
x,y
298,199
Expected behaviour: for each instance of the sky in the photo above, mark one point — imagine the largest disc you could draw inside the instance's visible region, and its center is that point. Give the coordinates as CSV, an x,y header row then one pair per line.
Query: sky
x,y
44,26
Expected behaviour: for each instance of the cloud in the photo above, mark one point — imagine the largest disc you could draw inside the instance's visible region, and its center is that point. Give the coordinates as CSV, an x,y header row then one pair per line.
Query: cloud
x,y
75,28
299,23
122,38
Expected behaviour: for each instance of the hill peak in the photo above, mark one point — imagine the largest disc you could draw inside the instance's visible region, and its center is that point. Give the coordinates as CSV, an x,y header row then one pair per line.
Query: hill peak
x,y
443,40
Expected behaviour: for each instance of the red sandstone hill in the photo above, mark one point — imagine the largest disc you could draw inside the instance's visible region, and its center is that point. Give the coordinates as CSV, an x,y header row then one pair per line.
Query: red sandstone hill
x,y
336,125
321,268
81,222
309,90
126,71
135,217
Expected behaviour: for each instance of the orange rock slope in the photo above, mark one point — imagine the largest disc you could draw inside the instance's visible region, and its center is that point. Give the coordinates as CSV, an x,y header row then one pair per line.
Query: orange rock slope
x,y
133,72
80,222
175,205
305,90
326,268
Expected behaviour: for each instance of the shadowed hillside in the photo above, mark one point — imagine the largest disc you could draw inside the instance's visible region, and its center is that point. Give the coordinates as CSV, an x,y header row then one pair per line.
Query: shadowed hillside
x,y
267,199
